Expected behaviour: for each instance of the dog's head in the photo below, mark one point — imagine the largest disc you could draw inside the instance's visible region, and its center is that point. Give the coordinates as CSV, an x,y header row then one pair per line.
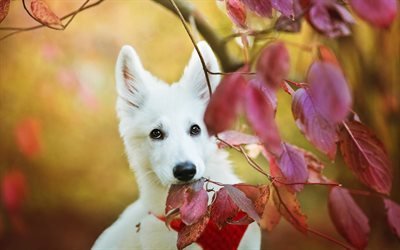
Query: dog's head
x,y
162,125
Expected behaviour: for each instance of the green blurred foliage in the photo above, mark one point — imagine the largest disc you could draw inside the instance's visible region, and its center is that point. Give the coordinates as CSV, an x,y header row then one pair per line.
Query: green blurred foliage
x,y
80,180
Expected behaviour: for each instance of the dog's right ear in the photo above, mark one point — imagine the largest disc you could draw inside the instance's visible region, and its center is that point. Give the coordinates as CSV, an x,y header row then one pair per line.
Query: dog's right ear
x,y
129,74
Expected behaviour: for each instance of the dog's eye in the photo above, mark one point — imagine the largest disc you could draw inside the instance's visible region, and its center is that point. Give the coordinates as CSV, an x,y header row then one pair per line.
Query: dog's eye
x,y
156,134
195,130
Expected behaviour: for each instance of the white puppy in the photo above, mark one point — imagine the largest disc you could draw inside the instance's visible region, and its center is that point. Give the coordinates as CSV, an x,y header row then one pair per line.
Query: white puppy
x,y
166,142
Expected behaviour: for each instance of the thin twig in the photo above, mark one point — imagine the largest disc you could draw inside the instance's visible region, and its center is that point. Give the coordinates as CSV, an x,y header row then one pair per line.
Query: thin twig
x,y
37,20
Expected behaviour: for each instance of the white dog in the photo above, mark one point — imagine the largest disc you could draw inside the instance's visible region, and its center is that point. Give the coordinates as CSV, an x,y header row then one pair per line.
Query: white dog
x,y
166,142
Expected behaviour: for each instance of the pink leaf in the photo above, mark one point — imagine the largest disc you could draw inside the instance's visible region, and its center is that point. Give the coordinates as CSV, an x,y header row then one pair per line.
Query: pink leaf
x,y
244,203
4,7
260,114
293,166
286,7
266,90
237,138
273,64
43,14
348,218
329,91
14,190
257,194
223,208
236,12
316,128
260,7
393,215
366,156
27,136
380,13
225,103
194,207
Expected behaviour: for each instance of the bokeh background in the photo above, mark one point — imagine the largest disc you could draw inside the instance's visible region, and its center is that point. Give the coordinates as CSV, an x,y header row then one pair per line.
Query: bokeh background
x,y
59,145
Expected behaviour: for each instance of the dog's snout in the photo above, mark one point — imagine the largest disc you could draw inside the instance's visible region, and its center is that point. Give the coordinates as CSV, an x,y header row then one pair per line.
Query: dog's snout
x,y
184,171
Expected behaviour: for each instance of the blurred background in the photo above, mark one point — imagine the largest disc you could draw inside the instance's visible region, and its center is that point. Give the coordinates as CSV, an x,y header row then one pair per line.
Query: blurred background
x,y
64,176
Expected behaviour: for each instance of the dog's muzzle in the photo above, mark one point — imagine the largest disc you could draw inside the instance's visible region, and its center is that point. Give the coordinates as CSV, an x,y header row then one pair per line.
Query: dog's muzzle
x,y
184,171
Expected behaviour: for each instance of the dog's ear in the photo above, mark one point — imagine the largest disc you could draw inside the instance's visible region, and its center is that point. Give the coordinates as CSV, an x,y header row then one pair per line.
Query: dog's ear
x,y
129,77
194,78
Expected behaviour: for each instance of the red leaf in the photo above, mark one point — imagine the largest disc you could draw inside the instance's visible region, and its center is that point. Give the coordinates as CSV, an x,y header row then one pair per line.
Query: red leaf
x,y
27,136
393,215
329,91
271,216
380,13
260,7
236,12
189,234
266,90
223,208
4,7
314,126
286,7
260,114
194,207
315,168
257,194
293,166
176,197
13,190
237,138
43,14
244,203
366,156
273,64
289,207
225,103
348,218
327,55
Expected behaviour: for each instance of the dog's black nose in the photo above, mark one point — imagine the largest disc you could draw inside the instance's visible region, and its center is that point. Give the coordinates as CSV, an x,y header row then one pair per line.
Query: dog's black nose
x,y
184,171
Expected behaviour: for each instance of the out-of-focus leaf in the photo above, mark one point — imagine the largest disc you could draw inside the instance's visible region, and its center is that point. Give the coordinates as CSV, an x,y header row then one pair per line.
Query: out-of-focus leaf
x,y
273,64
257,194
348,218
28,136
293,166
289,207
366,156
329,90
225,103
237,138
189,234
269,92
327,55
393,215
241,200
290,23
223,208
315,168
237,12
42,12
312,124
260,7
260,114
194,207
14,190
4,7
271,216
380,13
286,7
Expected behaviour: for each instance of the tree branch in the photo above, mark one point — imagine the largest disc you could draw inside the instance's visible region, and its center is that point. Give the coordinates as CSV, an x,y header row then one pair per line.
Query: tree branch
x,y
217,43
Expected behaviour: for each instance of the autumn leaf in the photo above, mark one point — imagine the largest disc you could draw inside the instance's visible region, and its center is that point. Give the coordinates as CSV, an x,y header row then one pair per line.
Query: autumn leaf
x,y
28,136
273,64
43,14
257,194
293,166
348,218
13,190
190,233
194,207
286,7
237,138
319,131
241,200
271,216
325,54
4,7
223,208
176,197
289,207
260,7
366,156
225,103
236,12
380,13
393,215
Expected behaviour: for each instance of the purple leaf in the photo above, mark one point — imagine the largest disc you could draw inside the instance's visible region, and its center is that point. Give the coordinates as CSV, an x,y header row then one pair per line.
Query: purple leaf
x,y
349,220
366,156
286,7
393,215
380,13
293,166
318,130
268,92
329,90
244,203
260,7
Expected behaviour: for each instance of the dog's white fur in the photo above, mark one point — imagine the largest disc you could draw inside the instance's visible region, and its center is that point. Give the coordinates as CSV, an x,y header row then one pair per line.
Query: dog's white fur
x,y
145,103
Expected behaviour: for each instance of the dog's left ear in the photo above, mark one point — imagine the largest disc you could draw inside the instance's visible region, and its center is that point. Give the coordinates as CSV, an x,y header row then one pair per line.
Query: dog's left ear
x,y
194,77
